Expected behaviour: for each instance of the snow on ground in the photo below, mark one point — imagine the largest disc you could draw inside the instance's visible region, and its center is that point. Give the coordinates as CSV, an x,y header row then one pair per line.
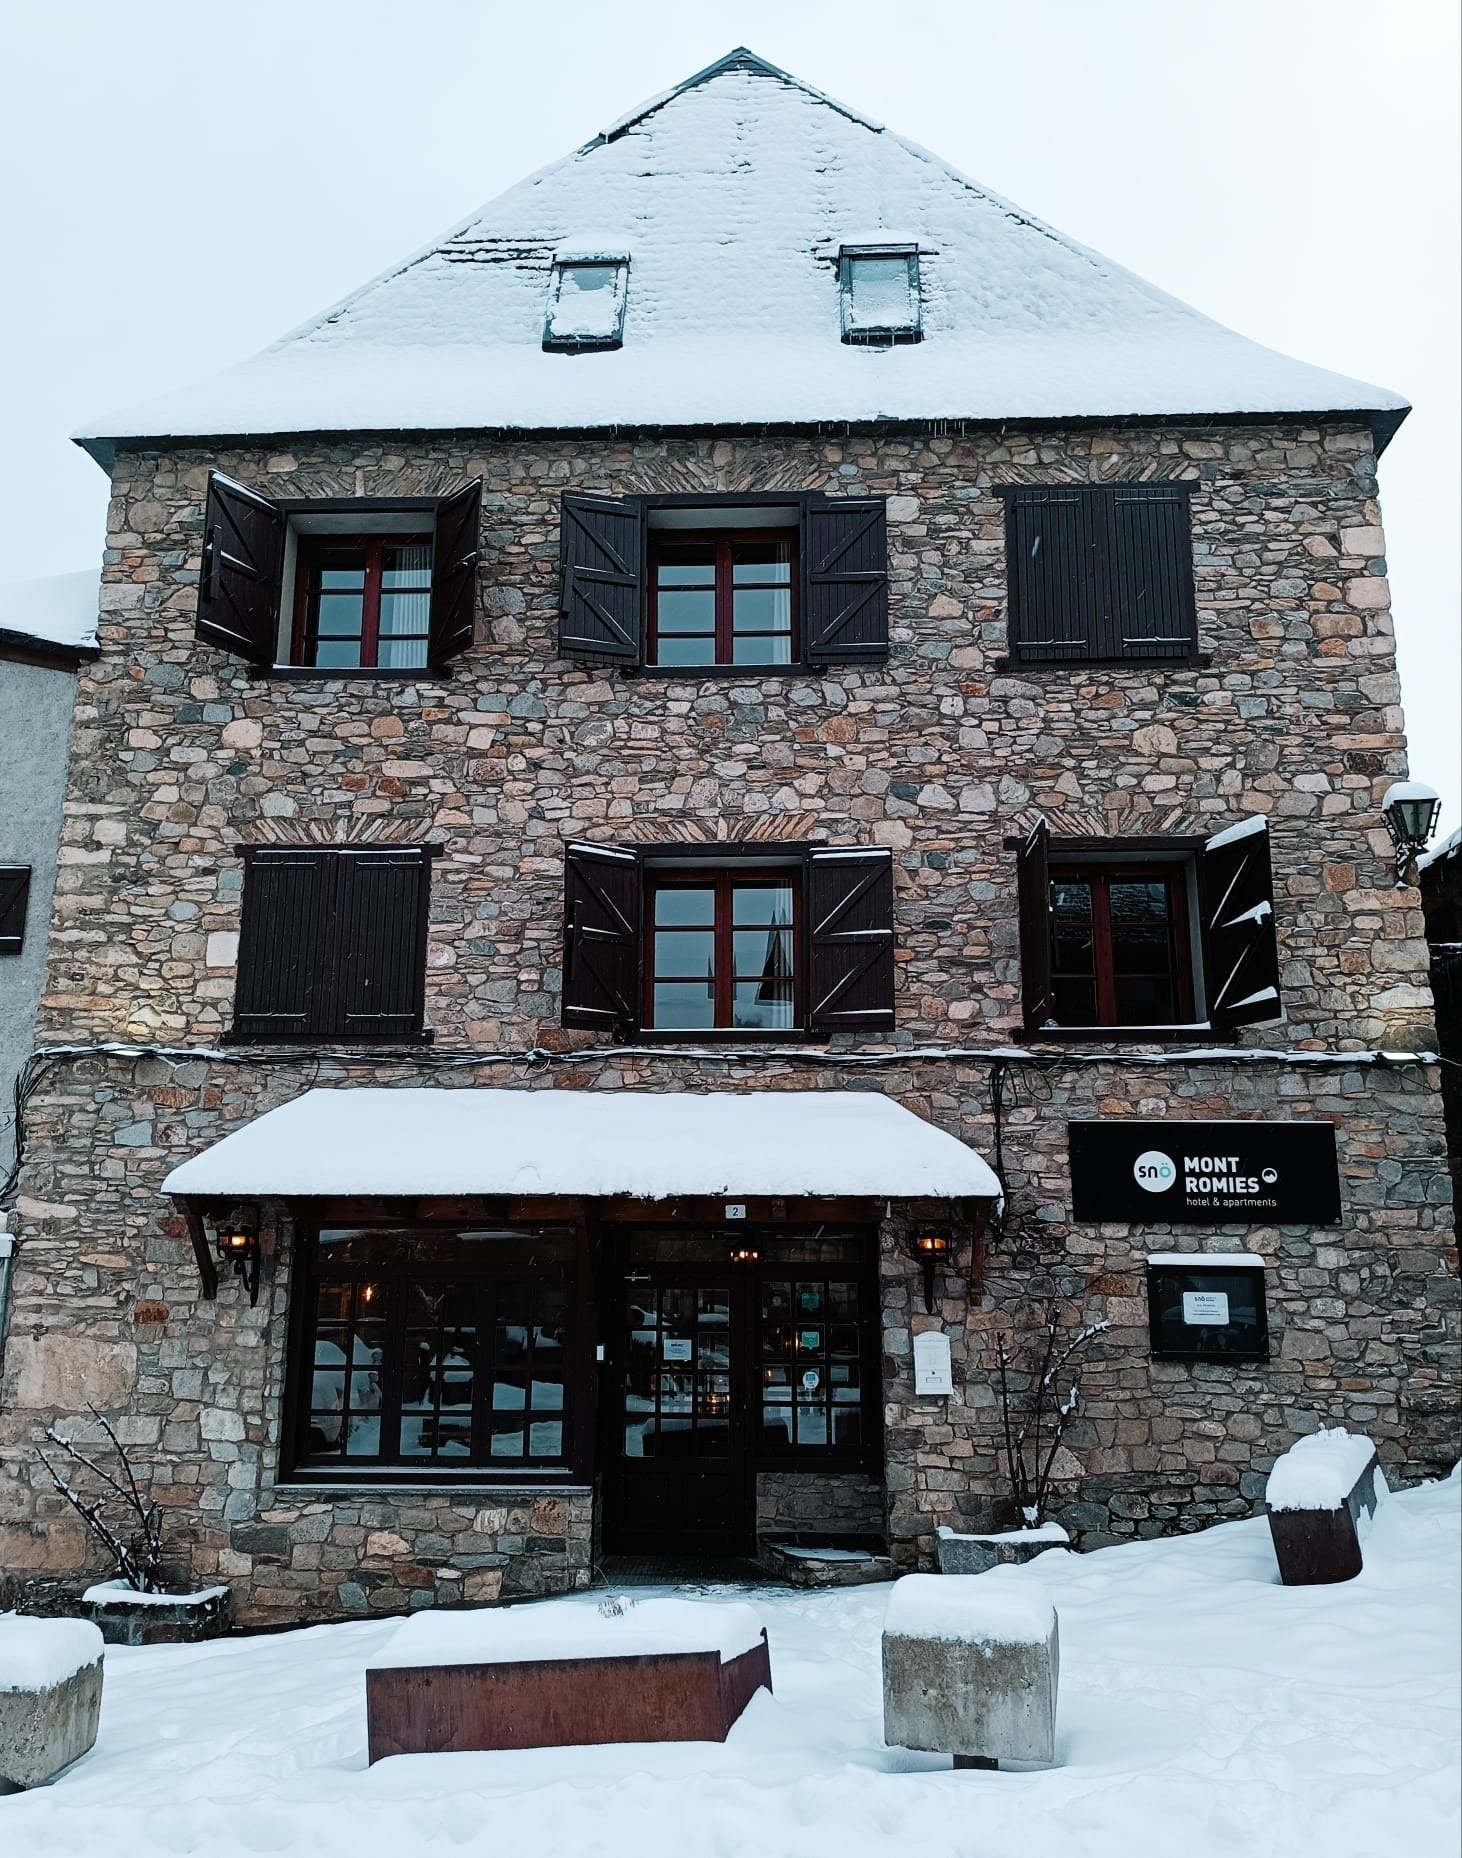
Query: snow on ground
x,y
1205,1711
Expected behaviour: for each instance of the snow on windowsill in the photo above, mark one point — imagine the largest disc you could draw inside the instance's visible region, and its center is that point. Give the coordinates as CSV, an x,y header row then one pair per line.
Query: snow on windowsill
x,y
38,1654
1209,1261
528,1634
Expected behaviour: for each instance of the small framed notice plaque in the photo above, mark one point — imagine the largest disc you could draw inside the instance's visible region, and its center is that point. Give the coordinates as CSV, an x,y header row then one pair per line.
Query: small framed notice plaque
x,y
1207,1306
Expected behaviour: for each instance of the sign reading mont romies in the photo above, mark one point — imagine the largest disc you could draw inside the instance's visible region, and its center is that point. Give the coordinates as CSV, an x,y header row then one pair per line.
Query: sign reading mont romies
x,y
1205,1174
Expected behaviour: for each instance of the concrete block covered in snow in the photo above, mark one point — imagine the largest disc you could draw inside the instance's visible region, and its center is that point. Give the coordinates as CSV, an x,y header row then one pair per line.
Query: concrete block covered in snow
x,y
974,1554
50,1696
1321,1496
970,1668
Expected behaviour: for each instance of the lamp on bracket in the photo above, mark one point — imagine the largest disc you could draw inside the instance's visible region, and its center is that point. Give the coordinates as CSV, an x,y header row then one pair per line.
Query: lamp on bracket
x,y
236,1239
1410,810
929,1246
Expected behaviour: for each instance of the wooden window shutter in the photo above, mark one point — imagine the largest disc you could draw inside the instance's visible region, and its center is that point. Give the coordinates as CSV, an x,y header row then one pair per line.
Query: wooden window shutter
x,y
850,940
14,896
1240,947
383,897
1051,574
601,549
1033,889
284,987
1148,603
452,625
239,582
845,580
603,898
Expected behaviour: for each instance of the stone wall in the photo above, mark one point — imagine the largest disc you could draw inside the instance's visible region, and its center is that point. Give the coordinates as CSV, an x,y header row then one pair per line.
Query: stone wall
x,y
180,754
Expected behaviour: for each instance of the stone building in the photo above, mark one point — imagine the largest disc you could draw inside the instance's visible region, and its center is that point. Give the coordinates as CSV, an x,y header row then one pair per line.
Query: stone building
x,y
642,770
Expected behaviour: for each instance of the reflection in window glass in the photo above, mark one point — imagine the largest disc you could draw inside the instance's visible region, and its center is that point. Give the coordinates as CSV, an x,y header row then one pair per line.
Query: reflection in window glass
x,y
723,954
880,296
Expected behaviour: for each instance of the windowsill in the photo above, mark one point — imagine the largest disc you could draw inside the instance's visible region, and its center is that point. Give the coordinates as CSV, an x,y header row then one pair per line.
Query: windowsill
x,y
1115,1035
692,673
725,1035
1188,661
1231,1361
557,1479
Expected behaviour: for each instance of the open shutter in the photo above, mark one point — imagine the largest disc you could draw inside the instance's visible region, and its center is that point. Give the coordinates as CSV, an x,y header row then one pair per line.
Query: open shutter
x,y
283,988
601,922
1240,948
845,580
238,586
1033,888
452,625
850,940
600,552
1148,606
380,941
1051,574
14,896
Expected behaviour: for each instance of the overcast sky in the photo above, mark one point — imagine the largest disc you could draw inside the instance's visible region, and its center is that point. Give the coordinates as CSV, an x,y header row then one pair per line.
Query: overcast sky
x,y
184,181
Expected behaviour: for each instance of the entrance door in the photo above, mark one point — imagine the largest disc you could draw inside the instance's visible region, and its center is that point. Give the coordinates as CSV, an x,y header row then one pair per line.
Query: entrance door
x,y
679,1476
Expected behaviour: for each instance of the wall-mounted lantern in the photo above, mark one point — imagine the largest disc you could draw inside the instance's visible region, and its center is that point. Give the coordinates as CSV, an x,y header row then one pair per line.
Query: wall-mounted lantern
x,y
236,1235
1410,811
744,1254
928,1246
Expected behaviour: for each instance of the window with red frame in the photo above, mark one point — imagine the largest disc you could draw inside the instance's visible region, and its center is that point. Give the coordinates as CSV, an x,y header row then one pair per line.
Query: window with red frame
x,y
1119,945
723,599
722,953
363,602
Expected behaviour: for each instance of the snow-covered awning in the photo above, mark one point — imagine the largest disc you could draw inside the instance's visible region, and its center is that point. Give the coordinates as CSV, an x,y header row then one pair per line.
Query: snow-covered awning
x,y
645,1144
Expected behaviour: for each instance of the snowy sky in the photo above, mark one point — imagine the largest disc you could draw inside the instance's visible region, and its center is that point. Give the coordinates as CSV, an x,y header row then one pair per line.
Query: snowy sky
x,y
182,190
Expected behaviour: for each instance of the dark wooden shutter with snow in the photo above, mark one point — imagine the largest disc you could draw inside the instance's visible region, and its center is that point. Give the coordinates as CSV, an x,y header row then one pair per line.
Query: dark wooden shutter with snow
x,y
601,549
383,896
14,896
850,941
601,955
1147,607
1051,575
845,580
453,622
238,584
1240,947
1033,890
283,987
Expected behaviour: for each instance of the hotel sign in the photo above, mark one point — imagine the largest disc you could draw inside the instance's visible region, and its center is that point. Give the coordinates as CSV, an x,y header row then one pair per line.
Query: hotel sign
x,y
1205,1174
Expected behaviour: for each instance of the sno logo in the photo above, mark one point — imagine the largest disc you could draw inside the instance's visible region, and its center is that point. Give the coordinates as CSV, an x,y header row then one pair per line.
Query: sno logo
x,y
1154,1171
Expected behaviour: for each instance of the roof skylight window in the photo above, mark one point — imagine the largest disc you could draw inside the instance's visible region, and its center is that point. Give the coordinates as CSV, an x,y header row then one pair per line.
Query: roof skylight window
x,y
586,301
880,294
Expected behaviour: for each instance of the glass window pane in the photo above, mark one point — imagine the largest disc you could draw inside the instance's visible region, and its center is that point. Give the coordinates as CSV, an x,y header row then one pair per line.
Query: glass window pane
x,y
695,568
847,1426
337,654
762,1005
1140,928
761,954
406,564
327,1392
545,1438
879,293
761,903
325,1431
345,573
401,654
685,906
547,1393
1144,1000
774,648
686,651
1074,1002
684,1005
762,609
339,613
685,952
1072,948
769,561
404,613
686,612
363,1436
776,1425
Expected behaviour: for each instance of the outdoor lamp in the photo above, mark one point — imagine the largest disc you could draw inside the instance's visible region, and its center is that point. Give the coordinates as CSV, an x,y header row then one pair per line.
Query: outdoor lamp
x,y
237,1239
743,1254
928,1248
1410,811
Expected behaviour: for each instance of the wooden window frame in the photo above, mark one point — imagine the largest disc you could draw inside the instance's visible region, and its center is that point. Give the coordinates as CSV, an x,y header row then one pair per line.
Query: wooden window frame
x,y
867,1454
1100,874
723,542
308,550
723,879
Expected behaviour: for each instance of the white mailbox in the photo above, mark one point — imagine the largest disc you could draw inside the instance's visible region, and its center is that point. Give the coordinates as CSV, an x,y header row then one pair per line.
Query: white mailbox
x,y
933,1375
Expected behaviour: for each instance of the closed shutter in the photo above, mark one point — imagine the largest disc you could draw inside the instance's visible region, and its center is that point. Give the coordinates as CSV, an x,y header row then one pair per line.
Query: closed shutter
x,y
600,555
238,586
1240,948
14,896
601,956
850,941
382,909
453,621
1051,572
284,986
1033,889
1148,605
845,581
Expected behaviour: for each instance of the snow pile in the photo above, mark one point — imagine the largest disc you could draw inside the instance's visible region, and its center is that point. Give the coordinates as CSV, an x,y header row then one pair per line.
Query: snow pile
x,y
1205,1710
1445,848
1319,1472
651,1144
734,193
113,1591
37,1654
974,1609
59,609
1045,1532
524,1634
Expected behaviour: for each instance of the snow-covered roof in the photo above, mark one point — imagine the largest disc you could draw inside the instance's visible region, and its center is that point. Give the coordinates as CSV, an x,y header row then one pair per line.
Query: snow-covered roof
x,y
1444,848
648,1144
731,196
57,611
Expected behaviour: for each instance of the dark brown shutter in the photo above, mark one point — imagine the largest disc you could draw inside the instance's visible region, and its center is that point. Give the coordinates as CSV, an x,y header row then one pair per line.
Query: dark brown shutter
x,y
284,984
600,552
1240,948
1148,606
453,621
238,586
845,580
382,911
1051,575
601,953
14,896
1033,888
850,940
